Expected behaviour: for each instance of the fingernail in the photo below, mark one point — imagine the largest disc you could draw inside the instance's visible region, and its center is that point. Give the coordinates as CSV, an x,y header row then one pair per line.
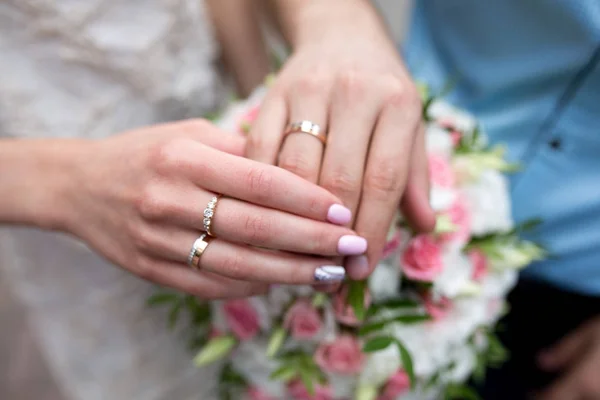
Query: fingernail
x,y
330,273
351,245
357,267
338,214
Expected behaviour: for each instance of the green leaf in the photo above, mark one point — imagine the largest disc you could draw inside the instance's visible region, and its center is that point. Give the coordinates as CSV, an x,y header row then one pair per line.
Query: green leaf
x,y
528,226
456,391
377,344
159,299
356,298
391,304
407,362
372,327
214,350
174,314
307,379
284,373
230,376
403,319
276,341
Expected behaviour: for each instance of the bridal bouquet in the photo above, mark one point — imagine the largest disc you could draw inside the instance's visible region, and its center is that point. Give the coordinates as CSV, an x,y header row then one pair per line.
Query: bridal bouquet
x,y
418,328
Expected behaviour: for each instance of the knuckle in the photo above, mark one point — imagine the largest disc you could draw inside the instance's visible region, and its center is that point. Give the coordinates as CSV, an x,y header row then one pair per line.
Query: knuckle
x,y
400,93
311,84
151,205
142,238
233,266
353,85
342,183
145,269
169,155
259,182
298,164
258,229
320,241
195,125
203,291
383,178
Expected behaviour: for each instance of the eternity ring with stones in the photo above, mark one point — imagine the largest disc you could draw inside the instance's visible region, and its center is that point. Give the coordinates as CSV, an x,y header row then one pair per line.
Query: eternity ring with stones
x,y
306,127
197,250
209,212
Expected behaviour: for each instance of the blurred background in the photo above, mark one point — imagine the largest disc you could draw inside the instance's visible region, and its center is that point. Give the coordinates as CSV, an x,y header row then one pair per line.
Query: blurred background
x,y
24,374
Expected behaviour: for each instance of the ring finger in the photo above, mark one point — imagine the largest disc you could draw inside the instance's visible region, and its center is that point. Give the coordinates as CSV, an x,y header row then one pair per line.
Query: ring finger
x,y
301,153
245,263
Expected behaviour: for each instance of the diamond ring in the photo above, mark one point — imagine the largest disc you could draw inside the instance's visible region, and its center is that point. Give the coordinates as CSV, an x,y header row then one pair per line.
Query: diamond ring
x,y
209,212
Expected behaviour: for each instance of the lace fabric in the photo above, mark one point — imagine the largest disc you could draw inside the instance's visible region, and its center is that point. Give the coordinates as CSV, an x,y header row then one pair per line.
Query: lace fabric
x,y
74,68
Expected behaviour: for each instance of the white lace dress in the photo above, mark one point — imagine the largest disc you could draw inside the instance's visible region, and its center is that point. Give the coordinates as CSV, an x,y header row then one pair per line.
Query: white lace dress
x,y
92,68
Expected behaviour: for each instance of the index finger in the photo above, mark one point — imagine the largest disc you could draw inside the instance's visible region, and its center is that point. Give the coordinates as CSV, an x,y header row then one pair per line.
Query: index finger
x,y
265,185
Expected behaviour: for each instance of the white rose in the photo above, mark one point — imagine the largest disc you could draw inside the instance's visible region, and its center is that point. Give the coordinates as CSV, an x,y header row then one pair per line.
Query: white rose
x,y
455,276
442,199
380,366
489,203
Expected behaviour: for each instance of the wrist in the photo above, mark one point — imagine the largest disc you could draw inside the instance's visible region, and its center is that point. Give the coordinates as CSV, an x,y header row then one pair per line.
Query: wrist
x,y
310,23
37,191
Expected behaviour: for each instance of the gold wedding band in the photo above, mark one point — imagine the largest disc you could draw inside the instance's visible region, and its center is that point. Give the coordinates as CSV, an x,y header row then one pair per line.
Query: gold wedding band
x,y
306,127
209,213
198,249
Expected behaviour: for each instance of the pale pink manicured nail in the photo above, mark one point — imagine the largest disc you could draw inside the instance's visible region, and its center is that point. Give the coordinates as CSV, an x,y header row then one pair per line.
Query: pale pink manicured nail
x,y
338,214
357,267
350,245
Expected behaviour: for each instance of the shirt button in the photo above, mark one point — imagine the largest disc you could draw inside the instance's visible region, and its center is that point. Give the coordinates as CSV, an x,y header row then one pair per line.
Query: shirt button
x,y
555,144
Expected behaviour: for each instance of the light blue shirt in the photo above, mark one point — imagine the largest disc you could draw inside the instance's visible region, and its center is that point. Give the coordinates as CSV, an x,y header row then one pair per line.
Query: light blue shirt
x,y
530,71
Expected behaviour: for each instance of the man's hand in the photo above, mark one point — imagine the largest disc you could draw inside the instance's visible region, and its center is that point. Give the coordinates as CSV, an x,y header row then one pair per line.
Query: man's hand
x,y
578,356
346,76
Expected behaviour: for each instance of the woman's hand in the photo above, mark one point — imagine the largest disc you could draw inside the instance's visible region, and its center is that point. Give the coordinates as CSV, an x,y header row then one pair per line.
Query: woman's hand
x,y
345,75
138,199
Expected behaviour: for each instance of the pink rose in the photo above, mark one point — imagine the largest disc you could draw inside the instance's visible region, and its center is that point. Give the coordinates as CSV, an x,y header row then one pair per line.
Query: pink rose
x,y
343,356
461,218
392,245
241,318
440,171
344,313
480,264
254,393
437,309
398,384
302,320
422,259
297,391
